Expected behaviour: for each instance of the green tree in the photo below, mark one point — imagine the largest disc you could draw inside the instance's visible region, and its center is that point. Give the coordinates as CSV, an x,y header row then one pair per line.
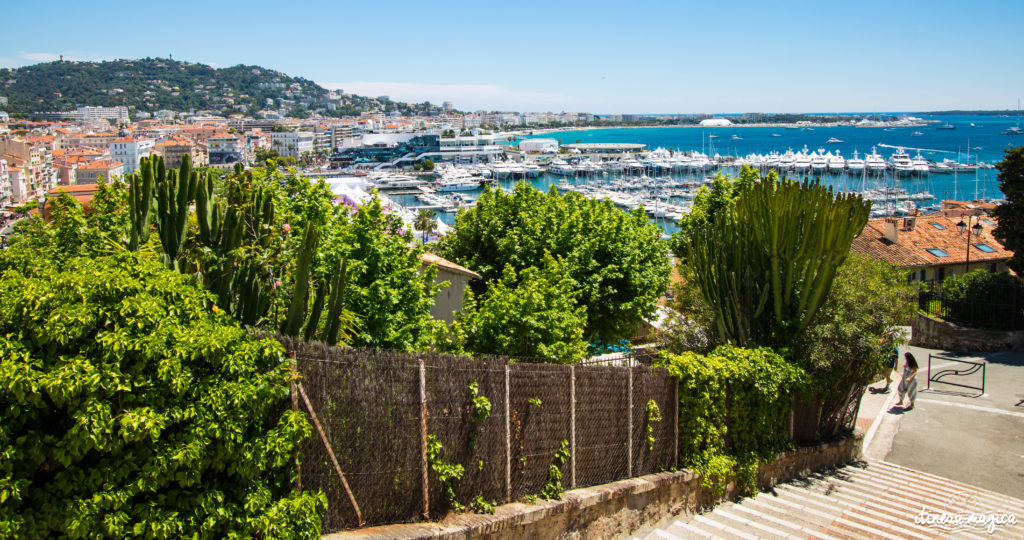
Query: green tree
x,y
129,408
387,287
426,222
428,164
766,266
1010,230
531,314
617,260
849,343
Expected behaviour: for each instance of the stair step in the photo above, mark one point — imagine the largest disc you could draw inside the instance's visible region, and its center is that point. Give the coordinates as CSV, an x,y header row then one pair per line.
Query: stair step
x,y
954,487
686,530
779,518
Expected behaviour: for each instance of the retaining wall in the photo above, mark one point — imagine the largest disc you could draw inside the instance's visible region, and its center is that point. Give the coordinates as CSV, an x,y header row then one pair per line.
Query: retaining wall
x,y
612,510
932,333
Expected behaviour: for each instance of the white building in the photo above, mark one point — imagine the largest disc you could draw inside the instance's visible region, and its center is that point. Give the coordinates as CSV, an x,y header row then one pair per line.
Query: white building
x,y
539,145
225,149
87,114
129,150
6,189
292,143
472,149
715,122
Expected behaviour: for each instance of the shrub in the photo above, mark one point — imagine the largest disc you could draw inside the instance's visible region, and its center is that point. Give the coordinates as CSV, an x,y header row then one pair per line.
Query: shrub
x,y
851,339
984,299
130,407
733,408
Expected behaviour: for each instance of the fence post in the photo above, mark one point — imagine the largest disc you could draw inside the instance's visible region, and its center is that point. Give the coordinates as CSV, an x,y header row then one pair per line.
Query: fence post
x,y
629,440
675,420
295,408
572,423
508,440
423,437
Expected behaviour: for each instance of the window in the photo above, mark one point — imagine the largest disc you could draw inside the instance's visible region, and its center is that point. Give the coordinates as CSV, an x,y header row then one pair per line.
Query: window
x,y
938,226
937,252
924,272
985,248
942,273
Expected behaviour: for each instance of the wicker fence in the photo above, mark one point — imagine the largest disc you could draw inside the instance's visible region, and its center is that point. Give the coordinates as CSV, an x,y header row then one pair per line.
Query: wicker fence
x,y
374,411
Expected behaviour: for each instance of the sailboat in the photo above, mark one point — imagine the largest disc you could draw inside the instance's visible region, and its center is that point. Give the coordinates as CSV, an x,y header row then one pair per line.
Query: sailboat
x,y
1015,130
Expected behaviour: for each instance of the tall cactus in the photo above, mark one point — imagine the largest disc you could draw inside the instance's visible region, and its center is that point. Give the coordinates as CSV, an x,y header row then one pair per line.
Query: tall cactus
x,y
336,305
140,203
300,294
175,191
767,268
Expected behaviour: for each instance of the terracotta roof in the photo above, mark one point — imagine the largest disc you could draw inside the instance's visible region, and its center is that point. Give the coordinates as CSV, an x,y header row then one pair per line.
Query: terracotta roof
x,y
104,164
929,231
78,189
430,258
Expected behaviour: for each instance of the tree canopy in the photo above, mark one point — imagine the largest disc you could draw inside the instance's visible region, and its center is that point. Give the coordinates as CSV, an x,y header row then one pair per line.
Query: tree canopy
x,y
1010,214
617,261
533,314
129,407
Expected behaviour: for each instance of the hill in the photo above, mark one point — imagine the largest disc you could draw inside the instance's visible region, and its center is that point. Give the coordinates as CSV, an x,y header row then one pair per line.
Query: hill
x,y
153,84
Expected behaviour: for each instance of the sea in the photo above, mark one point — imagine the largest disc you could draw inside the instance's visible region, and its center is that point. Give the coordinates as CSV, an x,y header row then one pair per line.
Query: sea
x,y
975,139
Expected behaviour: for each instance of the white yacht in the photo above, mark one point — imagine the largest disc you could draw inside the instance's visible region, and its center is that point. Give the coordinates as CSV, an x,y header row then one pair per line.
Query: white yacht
x,y
561,168
787,161
818,161
874,161
855,164
900,163
836,163
802,163
444,185
920,165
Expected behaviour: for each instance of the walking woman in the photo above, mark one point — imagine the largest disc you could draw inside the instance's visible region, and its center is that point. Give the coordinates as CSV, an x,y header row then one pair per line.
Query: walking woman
x,y
908,386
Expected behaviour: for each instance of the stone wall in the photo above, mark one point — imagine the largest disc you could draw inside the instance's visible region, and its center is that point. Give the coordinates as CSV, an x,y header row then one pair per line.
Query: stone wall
x,y
612,510
932,333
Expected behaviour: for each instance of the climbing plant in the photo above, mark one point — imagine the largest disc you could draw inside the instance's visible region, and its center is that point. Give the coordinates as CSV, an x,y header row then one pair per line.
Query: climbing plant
x,y
553,489
733,406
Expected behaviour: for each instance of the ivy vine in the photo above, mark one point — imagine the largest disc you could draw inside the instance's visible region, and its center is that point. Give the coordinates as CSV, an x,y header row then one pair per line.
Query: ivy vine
x,y
553,487
653,416
447,473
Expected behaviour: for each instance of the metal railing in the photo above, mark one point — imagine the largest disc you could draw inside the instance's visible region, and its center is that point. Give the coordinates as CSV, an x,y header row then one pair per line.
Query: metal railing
x,y
1005,314
971,368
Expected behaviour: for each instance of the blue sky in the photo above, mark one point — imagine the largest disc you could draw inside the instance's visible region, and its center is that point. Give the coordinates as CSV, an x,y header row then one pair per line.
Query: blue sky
x,y
604,57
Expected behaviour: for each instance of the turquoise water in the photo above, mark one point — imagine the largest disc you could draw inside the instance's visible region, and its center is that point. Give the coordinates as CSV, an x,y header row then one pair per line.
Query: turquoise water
x,y
983,140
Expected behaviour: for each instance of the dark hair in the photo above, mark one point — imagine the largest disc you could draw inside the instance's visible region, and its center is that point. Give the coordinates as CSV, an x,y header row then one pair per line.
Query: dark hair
x,y
911,361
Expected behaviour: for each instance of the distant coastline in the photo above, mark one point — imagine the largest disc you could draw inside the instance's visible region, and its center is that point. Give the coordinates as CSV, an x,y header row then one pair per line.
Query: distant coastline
x,y
570,129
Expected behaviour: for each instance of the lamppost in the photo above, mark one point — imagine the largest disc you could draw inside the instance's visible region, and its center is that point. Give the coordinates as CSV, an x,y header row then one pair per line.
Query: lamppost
x,y
976,229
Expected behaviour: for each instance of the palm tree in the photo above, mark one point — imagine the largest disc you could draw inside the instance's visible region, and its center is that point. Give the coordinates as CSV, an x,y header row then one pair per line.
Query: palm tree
x,y
425,222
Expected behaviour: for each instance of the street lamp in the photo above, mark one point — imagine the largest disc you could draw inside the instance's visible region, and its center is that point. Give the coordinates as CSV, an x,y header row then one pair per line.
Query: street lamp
x,y
976,229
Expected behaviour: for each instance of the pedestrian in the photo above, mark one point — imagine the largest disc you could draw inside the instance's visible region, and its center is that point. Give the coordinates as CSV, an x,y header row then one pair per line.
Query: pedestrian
x,y
908,386
890,366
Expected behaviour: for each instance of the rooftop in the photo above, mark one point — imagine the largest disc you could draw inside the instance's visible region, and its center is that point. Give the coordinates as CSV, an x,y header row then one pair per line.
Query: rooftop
x,y
929,232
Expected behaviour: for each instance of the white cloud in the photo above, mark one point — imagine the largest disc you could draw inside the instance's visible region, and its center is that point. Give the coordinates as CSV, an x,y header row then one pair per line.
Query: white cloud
x,y
463,96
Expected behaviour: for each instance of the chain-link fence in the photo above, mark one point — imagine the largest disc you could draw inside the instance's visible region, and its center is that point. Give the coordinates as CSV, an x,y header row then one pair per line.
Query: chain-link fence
x,y
377,410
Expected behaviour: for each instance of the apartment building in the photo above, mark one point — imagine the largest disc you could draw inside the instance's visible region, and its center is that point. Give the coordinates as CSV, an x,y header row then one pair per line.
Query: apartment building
x,y
129,150
292,143
90,173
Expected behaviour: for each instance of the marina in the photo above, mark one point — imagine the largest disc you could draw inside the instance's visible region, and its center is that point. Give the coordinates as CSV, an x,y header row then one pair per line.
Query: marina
x,y
661,169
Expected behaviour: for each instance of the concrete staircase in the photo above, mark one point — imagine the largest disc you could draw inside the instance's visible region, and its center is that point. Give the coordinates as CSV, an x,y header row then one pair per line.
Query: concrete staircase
x,y
868,500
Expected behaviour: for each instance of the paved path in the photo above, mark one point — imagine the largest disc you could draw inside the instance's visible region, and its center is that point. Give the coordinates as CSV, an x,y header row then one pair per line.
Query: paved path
x,y
873,499
954,432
